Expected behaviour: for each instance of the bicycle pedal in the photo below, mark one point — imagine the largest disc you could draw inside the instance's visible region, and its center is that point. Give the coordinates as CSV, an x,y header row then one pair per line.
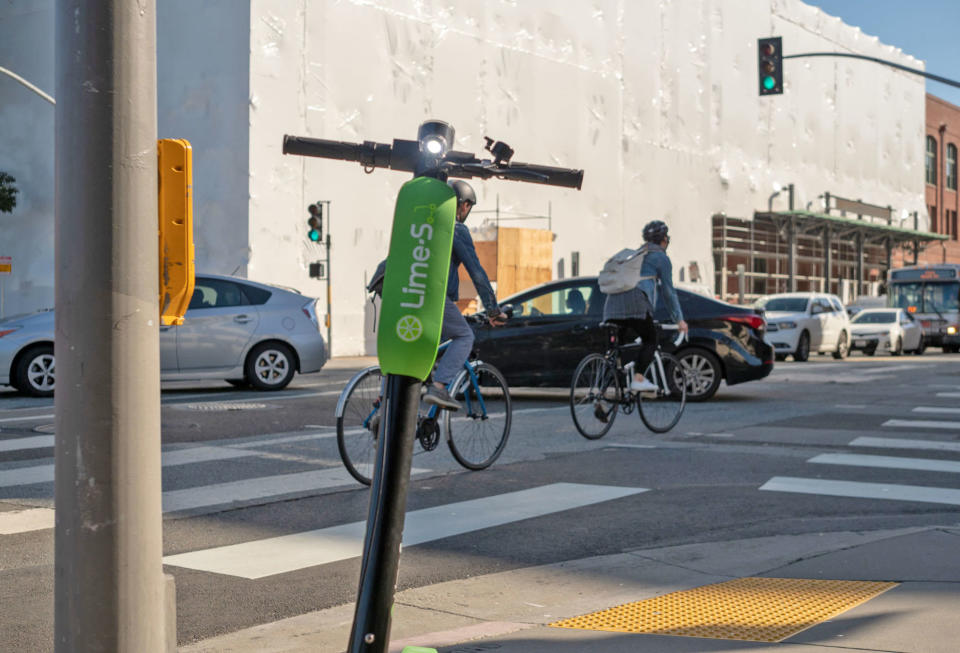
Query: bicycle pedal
x,y
600,413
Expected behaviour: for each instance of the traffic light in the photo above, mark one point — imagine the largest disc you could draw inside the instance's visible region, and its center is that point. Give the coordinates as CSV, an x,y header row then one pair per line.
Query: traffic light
x,y
175,226
315,222
770,65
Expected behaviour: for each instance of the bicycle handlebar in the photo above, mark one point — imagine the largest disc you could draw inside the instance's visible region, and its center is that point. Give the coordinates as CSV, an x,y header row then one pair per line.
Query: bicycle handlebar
x,y
403,155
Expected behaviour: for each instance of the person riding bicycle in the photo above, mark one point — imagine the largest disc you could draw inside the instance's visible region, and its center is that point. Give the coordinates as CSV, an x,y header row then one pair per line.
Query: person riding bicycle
x,y
455,327
633,310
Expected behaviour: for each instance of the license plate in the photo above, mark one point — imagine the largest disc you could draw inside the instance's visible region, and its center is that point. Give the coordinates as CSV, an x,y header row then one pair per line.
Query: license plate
x,y
859,343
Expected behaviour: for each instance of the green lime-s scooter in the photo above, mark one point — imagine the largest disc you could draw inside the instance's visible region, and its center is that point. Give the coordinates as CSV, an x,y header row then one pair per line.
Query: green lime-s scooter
x,y
411,317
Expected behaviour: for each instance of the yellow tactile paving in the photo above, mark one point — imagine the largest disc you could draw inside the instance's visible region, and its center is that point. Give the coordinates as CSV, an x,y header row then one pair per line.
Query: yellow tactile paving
x,y
751,609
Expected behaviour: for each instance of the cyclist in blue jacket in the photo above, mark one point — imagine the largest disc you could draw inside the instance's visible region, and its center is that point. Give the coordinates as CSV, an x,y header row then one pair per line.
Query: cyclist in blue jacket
x,y
455,327
633,309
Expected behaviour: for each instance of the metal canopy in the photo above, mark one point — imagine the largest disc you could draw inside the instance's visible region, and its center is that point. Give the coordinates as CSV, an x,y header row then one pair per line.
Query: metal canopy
x,y
809,222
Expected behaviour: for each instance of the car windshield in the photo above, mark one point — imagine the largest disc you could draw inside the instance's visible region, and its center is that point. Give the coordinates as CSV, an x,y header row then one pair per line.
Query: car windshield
x,y
786,304
925,297
886,317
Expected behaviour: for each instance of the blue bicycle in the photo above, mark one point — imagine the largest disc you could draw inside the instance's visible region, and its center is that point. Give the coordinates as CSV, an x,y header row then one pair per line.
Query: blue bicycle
x,y
476,435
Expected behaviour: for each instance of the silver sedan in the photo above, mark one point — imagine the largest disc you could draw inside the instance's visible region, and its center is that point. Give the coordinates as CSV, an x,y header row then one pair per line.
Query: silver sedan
x,y
244,332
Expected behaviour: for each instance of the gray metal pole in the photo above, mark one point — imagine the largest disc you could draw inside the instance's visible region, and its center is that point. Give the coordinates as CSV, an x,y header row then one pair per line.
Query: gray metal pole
x,y
828,259
791,256
109,587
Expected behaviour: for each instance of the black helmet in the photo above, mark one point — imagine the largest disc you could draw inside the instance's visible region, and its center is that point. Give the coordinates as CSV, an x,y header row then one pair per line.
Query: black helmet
x,y
464,191
655,231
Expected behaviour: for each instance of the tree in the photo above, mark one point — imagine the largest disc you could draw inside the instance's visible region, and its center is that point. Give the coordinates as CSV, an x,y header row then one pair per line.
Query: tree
x,y
8,193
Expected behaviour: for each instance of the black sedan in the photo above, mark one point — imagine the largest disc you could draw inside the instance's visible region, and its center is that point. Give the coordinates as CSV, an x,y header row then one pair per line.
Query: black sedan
x,y
554,325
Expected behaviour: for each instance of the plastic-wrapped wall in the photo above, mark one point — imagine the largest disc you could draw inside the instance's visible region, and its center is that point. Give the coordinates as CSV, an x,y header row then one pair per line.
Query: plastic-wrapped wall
x,y
655,99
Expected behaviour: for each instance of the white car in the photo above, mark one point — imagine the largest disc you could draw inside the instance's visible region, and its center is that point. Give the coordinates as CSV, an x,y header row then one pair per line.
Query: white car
x,y
886,329
801,322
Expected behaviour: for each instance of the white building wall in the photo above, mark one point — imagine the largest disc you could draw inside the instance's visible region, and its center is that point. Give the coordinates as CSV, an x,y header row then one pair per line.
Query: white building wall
x,y
657,101
26,152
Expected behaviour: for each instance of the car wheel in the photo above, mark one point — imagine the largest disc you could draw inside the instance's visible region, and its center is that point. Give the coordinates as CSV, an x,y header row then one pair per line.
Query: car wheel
x,y
922,347
780,357
702,371
843,347
803,348
896,351
36,372
951,349
269,366
870,351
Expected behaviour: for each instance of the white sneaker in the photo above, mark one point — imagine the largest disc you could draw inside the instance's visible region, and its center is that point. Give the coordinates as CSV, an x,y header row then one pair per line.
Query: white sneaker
x,y
642,386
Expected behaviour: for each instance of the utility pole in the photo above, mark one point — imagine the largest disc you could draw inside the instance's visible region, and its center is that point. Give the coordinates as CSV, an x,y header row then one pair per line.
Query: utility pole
x,y
110,592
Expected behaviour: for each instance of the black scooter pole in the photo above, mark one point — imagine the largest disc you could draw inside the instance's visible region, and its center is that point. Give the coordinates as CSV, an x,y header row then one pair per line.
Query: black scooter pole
x,y
388,503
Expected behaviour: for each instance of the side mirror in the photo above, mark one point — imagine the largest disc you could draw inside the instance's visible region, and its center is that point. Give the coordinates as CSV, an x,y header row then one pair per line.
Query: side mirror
x,y
508,309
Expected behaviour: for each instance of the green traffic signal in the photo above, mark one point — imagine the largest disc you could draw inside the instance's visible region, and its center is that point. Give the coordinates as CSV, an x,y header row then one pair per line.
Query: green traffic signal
x,y
313,235
769,82
770,65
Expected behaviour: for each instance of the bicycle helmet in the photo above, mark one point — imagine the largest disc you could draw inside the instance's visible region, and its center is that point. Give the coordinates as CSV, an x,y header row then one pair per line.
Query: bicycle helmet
x,y
464,191
655,231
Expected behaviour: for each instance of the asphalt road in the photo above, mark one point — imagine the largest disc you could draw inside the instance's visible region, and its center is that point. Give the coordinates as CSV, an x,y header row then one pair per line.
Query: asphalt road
x,y
246,468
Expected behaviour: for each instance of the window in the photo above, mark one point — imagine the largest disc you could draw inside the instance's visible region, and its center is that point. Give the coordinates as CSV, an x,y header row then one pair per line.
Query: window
x,y
216,293
837,306
255,296
952,166
575,300
931,160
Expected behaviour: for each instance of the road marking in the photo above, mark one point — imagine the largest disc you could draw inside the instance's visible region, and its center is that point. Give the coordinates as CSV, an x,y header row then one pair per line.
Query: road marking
x,y
261,487
32,442
936,409
624,445
24,521
863,490
278,555
922,424
25,419
903,443
174,457
887,462
949,395
850,406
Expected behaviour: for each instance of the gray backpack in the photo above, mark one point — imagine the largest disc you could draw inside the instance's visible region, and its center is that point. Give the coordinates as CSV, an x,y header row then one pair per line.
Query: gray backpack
x,y
621,272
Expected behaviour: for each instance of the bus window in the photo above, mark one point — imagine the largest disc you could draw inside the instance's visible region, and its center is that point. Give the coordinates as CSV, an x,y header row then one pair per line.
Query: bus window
x,y
941,297
905,295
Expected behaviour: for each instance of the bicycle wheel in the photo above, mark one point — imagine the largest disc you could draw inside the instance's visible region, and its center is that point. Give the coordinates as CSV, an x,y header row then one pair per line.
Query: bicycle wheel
x,y
358,423
594,396
661,410
478,432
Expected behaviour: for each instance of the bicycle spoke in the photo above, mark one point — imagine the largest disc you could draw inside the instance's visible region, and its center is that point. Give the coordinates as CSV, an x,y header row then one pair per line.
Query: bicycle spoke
x,y
594,396
660,410
358,428
478,433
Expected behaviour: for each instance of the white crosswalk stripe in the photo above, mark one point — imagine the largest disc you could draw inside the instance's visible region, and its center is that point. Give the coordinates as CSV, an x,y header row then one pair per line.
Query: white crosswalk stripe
x,y
904,443
922,424
863,490
277,555
887,462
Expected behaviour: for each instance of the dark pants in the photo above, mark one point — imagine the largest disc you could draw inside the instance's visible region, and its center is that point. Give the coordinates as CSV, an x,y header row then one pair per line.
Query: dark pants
x,y
645,328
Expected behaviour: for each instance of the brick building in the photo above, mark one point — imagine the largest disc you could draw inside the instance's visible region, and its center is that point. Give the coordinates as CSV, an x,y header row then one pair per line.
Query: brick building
x,y
942,198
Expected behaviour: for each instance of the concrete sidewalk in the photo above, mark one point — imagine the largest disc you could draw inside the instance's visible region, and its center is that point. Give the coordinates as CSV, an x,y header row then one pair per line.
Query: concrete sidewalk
x,y
508,612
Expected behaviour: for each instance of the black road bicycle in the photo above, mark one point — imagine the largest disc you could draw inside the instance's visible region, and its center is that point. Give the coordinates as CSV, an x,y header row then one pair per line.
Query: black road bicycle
x,y
601,387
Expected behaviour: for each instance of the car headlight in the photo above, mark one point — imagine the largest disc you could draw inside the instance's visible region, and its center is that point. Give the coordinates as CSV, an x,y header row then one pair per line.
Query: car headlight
x,y
8,330
787,325
884,333
952,330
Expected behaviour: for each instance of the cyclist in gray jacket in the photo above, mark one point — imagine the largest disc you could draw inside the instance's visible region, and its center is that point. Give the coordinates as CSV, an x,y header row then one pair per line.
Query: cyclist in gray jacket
x,y
633,310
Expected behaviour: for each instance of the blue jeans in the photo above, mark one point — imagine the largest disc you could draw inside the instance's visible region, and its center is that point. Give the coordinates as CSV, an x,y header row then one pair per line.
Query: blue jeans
x,y
454,328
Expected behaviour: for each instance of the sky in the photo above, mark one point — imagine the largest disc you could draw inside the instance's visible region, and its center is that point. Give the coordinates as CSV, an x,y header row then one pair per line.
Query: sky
x,y
926,29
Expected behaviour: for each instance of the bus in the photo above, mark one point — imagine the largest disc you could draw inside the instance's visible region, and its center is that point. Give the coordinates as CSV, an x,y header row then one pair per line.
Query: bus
x,y
931,293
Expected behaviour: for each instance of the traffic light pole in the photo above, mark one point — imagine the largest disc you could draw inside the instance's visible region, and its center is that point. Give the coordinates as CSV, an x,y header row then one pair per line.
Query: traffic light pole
x,y
923,73
110,591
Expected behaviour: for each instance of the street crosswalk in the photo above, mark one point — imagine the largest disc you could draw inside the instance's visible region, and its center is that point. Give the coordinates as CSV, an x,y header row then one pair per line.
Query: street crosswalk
x,y
890,491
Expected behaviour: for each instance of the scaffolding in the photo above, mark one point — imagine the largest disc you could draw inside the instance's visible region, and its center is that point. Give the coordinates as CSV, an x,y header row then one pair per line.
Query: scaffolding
x,y
806,251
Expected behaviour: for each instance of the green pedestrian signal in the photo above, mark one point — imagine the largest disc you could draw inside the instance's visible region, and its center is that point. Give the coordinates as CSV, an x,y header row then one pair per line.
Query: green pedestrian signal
x,y
770,65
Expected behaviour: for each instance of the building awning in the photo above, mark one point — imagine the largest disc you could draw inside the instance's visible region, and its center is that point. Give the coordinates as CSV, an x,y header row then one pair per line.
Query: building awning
x,y
809,221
